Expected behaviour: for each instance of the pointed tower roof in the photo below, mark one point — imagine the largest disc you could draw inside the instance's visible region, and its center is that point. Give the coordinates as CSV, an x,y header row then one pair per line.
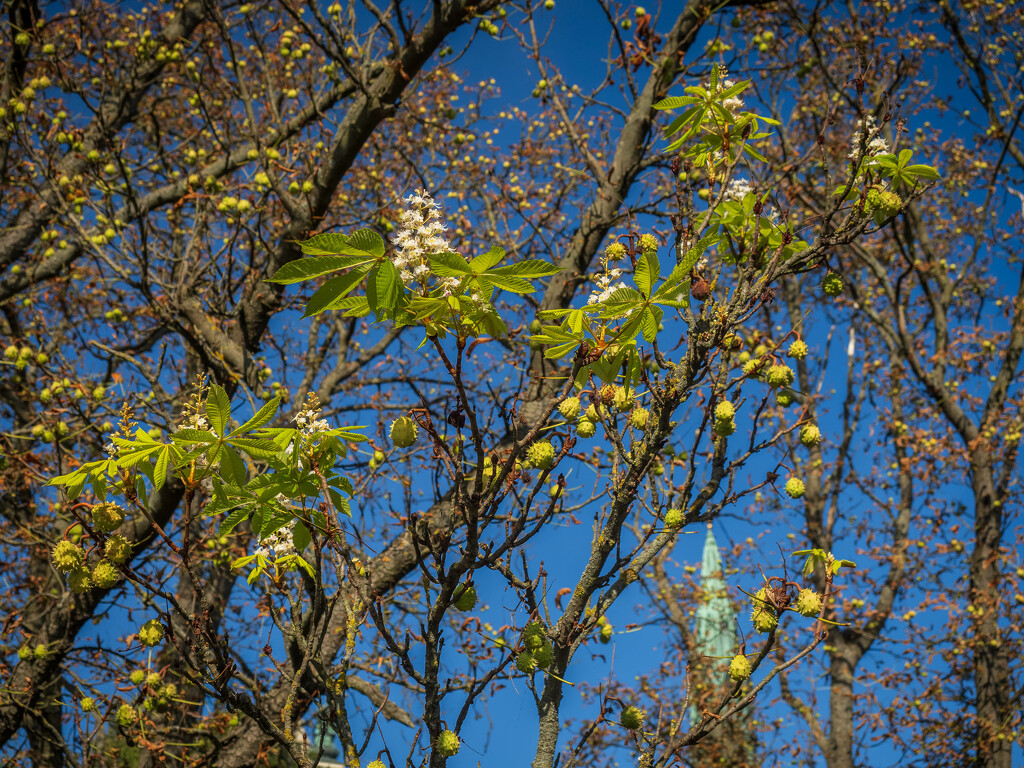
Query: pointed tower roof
x,y
715,627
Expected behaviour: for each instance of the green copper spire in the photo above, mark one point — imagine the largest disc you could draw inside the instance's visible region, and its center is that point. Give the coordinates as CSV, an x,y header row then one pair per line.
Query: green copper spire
x,y
715,628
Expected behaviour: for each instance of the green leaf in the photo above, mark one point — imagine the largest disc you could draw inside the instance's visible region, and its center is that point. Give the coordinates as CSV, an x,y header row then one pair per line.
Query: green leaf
x,y
232,466
649,322
261,417
301,536
160,470
218,408
449,265
314,266
647,271
922,172
485,261
384,288
527,269
674,102
363,242
367,241
329,294
256,448
510,284
229,523
193,436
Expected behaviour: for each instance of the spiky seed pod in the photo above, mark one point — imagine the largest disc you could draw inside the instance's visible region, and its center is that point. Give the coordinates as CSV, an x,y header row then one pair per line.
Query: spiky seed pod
x,y
153,679
808,603
104,575
780,376
725,428
648,243
795,487
674,518
376,764
544,656
606,395
739,668
541,455
570,408
784,399
117,549
798,349
40,651
447,743
638,418
615,251
810,435
87,704
403,432
764,620
169,691
127,715
632,718
151,633
832,285
79,581
137,677
724,411
624,399
465,597
754,367
107,517
586,428
882,204
534,637
67,557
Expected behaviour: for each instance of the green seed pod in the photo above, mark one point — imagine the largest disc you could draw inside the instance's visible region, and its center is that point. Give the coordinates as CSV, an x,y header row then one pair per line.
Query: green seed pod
x,y
632,718
126,715
465,597
795,487
107,517
79,581
674,518
724,411
638,418
780,376
798,349
447,743
586,428
541,455
832,285
810,435
104,575
117,549
403,432
808,603
67,557
570,408
739,668
151,633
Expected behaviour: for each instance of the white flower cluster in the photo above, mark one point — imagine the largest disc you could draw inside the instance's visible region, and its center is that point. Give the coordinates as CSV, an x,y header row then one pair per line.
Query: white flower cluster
x,y
308,418
605,287
193,420
279,543
733,103
876,144
419,237
737,189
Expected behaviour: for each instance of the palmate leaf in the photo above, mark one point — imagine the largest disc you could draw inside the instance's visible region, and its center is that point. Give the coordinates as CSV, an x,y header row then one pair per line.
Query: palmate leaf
x,y
485,261
648,270
314,266
330,295
362,242
383,289
218,408
261,418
